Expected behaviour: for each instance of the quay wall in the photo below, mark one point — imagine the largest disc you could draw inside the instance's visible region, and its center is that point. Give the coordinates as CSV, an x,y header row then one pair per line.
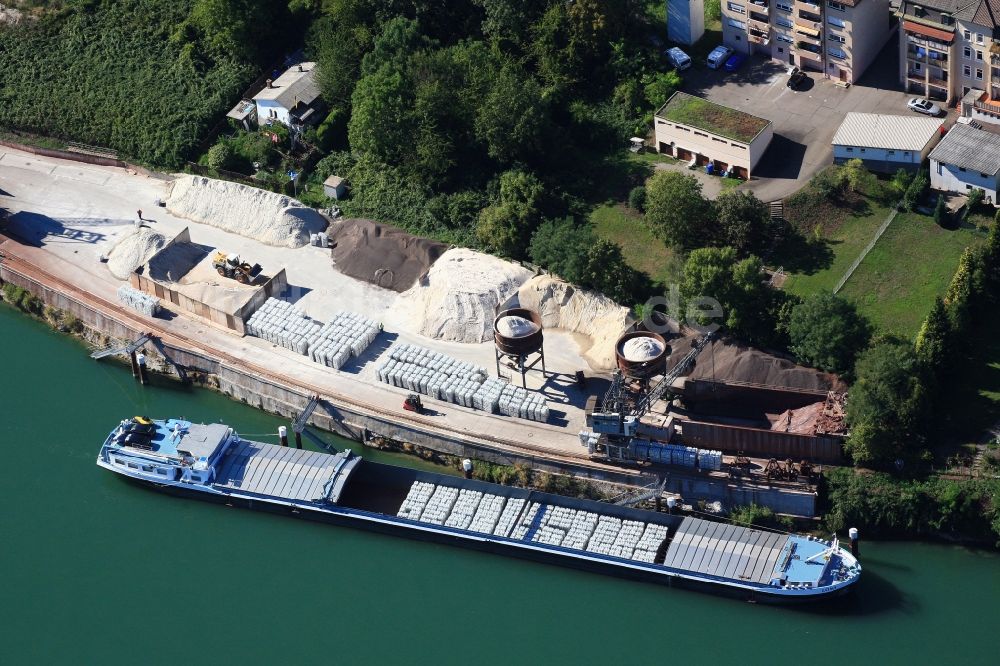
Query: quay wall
x,y
357,424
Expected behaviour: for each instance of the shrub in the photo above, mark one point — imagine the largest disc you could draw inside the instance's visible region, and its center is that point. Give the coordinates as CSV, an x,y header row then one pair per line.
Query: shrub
x,y
915,190
940,213
976,196
220,156
637,198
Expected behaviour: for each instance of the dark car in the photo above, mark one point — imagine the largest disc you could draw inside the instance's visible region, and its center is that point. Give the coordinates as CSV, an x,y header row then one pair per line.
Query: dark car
x,y
734,62
796,77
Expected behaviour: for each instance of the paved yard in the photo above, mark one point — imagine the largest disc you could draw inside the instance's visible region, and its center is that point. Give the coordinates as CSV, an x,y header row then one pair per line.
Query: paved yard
x,y
804,120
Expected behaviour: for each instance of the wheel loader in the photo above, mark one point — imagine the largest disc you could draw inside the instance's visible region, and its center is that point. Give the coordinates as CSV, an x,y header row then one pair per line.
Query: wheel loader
x,y
231,266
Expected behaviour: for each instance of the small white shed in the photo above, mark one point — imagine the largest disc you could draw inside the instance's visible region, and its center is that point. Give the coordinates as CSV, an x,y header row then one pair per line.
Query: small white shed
x,y
335,187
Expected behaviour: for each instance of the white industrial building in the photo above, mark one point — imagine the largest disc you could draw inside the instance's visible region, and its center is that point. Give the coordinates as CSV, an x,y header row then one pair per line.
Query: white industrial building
x,y
967,157
685,21
886,143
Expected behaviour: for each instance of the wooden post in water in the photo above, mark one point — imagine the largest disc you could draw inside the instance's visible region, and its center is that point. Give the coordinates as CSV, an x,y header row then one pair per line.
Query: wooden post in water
x,y
135,365
143,373
283,435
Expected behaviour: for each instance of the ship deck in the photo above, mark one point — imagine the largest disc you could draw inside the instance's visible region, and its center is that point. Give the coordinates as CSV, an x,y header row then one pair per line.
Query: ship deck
x,y
286,473
726,551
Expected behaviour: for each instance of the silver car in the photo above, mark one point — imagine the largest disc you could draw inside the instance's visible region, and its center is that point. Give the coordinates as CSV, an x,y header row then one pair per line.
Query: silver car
x,y
921,105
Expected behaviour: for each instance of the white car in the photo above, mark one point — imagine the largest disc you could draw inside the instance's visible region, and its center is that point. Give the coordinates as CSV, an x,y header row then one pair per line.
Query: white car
x,y
718,57
678,59
921,105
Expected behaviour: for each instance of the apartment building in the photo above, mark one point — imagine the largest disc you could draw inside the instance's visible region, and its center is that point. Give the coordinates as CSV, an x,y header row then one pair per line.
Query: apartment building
x,y
948,48
838,39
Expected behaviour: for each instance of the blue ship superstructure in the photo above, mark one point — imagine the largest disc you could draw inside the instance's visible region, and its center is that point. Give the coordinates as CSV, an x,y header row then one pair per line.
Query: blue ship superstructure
x,y
213,462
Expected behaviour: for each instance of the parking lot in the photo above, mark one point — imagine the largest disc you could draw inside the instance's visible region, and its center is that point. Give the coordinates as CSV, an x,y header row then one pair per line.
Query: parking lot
x,y
806,119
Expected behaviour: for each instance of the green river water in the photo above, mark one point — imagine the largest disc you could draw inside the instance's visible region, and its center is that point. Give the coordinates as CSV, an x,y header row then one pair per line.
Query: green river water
x,y
96,571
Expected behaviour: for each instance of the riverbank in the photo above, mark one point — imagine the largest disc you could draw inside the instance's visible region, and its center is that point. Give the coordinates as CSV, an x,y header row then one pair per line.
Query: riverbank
x,y
281,382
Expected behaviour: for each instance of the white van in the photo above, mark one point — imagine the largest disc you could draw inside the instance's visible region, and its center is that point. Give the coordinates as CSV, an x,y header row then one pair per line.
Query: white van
x,y
717,58
678,59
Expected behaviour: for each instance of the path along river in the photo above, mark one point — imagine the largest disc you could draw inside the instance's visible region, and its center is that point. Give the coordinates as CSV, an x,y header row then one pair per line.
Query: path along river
x,y
95,570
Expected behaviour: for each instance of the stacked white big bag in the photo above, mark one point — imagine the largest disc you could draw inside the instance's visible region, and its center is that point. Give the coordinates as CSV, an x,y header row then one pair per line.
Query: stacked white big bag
x,y
442,377
137,300
332,344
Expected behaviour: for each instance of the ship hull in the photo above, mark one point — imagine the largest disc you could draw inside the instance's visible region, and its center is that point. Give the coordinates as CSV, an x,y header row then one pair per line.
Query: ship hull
x,y
389,526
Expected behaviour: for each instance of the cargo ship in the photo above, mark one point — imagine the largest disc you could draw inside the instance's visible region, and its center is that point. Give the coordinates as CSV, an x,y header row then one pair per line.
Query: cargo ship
x,y
213,462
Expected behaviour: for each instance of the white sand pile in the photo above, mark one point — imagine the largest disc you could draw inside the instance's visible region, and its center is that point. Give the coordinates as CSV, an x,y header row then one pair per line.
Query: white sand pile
x,y
594,315
513,326
458,298
264,216
133,251
640,350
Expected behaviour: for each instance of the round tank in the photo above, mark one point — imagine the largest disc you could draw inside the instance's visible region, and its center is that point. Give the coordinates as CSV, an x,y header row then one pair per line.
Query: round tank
x,y
527,343
651,361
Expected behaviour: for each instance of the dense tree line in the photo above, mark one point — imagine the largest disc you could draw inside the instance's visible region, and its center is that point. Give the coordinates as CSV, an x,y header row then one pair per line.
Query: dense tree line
x,y
486,117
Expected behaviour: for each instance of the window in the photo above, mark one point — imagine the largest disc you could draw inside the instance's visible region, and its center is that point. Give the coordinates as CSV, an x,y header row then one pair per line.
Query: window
x,y
979,38
947,19
979,55
967,52
979,74
737,24
134,466
147,468
906,154
783,22
714,138
983,175
966,70
966,35
783,7
916,67
841,39
161,472
862,150
890,153
837,6
836,53
119,461
836,22
962,169
849,149
697,133
781,50
739,9
784,38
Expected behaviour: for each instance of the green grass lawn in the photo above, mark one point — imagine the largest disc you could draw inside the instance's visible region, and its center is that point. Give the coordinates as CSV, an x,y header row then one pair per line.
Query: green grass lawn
x,y
649,157
641,249
907,269
841,245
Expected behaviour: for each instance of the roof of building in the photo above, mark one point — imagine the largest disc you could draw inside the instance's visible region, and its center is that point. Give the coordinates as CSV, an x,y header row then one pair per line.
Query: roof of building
x,y
969,148
711,117
981,12
334,181
874,130
297,84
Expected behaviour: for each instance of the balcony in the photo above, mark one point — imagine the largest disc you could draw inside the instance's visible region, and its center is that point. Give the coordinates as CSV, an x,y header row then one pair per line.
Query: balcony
x,y
916,77
987,106
759,6
805,51
809,35
937,83
760,24
809,7
762,37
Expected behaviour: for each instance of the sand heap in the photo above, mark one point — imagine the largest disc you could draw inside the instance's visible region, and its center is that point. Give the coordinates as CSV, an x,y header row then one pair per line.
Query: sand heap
x,y
133,251
265,216
458,298
561,305
727,362
513,326
640,350
382,254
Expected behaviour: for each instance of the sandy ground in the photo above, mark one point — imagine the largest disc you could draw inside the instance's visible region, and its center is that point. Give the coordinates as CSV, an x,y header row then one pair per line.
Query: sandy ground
x,y
74,213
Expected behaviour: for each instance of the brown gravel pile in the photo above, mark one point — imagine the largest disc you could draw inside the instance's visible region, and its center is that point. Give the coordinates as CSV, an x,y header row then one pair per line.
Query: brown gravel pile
x,y
726,362
381,254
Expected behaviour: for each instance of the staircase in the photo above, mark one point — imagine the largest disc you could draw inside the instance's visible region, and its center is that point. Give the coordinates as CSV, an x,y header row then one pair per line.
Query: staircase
x,y
777,209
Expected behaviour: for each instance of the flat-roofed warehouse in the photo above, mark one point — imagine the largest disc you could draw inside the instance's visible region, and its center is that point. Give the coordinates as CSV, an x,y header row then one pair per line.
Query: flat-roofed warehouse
x,y
700,132
885,143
